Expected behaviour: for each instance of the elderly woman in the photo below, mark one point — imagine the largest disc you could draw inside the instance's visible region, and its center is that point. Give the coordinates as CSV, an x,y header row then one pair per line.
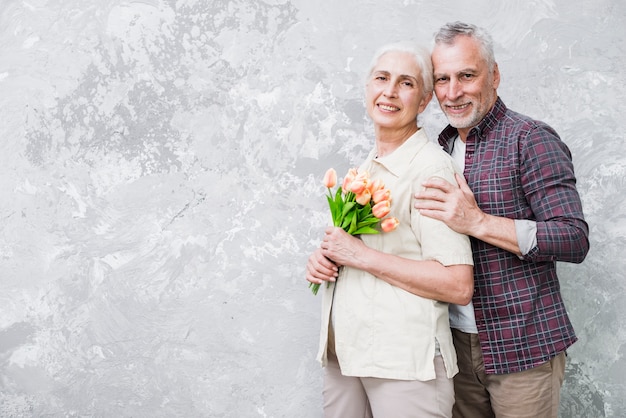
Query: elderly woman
x,y
385,339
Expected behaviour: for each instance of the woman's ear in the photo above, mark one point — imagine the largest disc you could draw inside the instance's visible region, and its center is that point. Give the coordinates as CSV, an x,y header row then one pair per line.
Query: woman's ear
x,y
425,100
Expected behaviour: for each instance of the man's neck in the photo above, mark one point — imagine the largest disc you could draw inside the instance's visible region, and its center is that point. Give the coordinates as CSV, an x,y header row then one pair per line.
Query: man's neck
x,y
463,133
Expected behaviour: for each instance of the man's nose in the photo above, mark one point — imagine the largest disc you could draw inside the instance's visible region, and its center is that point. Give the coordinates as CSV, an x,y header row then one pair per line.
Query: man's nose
x,y
455,89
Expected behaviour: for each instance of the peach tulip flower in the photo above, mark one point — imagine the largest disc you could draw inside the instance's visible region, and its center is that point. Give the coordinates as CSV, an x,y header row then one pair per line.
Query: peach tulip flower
x,y
347,180
381,209
330,178
376,185
363,198
389,224
359,184
381,195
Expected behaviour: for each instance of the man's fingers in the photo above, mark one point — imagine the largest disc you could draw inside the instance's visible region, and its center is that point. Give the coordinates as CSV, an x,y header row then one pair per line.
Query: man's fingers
x,y
433,213
440,183
460,179
436,189
431,198
431,194
428,204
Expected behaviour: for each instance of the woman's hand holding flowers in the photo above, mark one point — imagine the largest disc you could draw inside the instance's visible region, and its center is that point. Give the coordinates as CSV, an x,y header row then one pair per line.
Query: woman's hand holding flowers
x,y
342,248
358,207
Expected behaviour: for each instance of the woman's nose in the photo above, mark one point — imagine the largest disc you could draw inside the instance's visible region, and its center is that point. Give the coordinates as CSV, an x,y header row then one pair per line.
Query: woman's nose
x,y
390,90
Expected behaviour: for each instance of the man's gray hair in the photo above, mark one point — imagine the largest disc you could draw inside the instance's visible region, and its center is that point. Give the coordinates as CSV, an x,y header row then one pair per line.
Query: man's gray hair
x,y
448,33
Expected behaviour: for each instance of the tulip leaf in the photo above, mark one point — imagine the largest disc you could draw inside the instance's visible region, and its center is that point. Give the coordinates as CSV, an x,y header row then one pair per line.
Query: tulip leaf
x,y
347,221
347,208
353,226
369,221
331,205
366,208
338,197
366,230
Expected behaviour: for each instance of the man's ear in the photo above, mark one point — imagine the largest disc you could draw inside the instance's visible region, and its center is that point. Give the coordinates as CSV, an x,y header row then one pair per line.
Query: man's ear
x,y
496,76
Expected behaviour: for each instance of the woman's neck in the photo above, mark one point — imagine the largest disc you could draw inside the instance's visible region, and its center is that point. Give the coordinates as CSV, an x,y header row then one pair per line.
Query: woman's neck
x,y
387,141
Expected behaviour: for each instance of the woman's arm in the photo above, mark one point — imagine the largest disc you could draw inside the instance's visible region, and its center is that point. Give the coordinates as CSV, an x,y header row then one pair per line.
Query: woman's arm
x,y
427,278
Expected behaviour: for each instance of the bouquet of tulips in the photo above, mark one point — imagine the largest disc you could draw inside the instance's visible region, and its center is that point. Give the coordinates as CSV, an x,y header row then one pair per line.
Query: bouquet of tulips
x,y
359,206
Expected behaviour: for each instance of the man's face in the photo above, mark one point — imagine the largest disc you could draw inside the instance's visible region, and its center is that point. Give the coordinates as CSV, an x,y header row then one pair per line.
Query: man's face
x,y
464,86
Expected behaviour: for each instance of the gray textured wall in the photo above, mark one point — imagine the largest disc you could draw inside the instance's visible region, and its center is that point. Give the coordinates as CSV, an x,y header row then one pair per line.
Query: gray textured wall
x,y
160,170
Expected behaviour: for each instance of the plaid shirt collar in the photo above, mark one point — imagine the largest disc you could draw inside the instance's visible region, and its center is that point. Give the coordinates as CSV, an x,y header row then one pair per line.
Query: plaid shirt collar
x,y
447,136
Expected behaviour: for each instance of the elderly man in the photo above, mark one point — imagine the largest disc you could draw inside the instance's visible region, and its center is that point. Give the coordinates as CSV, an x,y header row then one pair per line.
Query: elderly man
x,y
518,203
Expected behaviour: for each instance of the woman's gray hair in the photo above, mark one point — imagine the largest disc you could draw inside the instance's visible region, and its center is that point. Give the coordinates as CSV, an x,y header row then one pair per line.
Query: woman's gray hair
x,y
448,33
419,53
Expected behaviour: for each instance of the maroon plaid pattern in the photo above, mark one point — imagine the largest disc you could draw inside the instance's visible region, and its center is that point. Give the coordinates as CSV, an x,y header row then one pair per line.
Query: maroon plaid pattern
x,y
520,169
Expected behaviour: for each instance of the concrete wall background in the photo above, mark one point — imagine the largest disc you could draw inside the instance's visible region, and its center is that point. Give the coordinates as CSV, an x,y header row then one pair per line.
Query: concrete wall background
x,y
160,169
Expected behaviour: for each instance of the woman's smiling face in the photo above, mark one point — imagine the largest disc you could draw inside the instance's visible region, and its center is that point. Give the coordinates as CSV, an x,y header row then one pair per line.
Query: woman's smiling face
x,y
394,93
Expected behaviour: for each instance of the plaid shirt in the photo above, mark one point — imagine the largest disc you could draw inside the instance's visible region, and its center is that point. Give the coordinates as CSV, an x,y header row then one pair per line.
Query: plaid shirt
x,y
520,169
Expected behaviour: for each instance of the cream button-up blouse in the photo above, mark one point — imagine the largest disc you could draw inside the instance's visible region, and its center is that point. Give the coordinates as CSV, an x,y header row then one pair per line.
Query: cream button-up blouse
x,y
381,330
